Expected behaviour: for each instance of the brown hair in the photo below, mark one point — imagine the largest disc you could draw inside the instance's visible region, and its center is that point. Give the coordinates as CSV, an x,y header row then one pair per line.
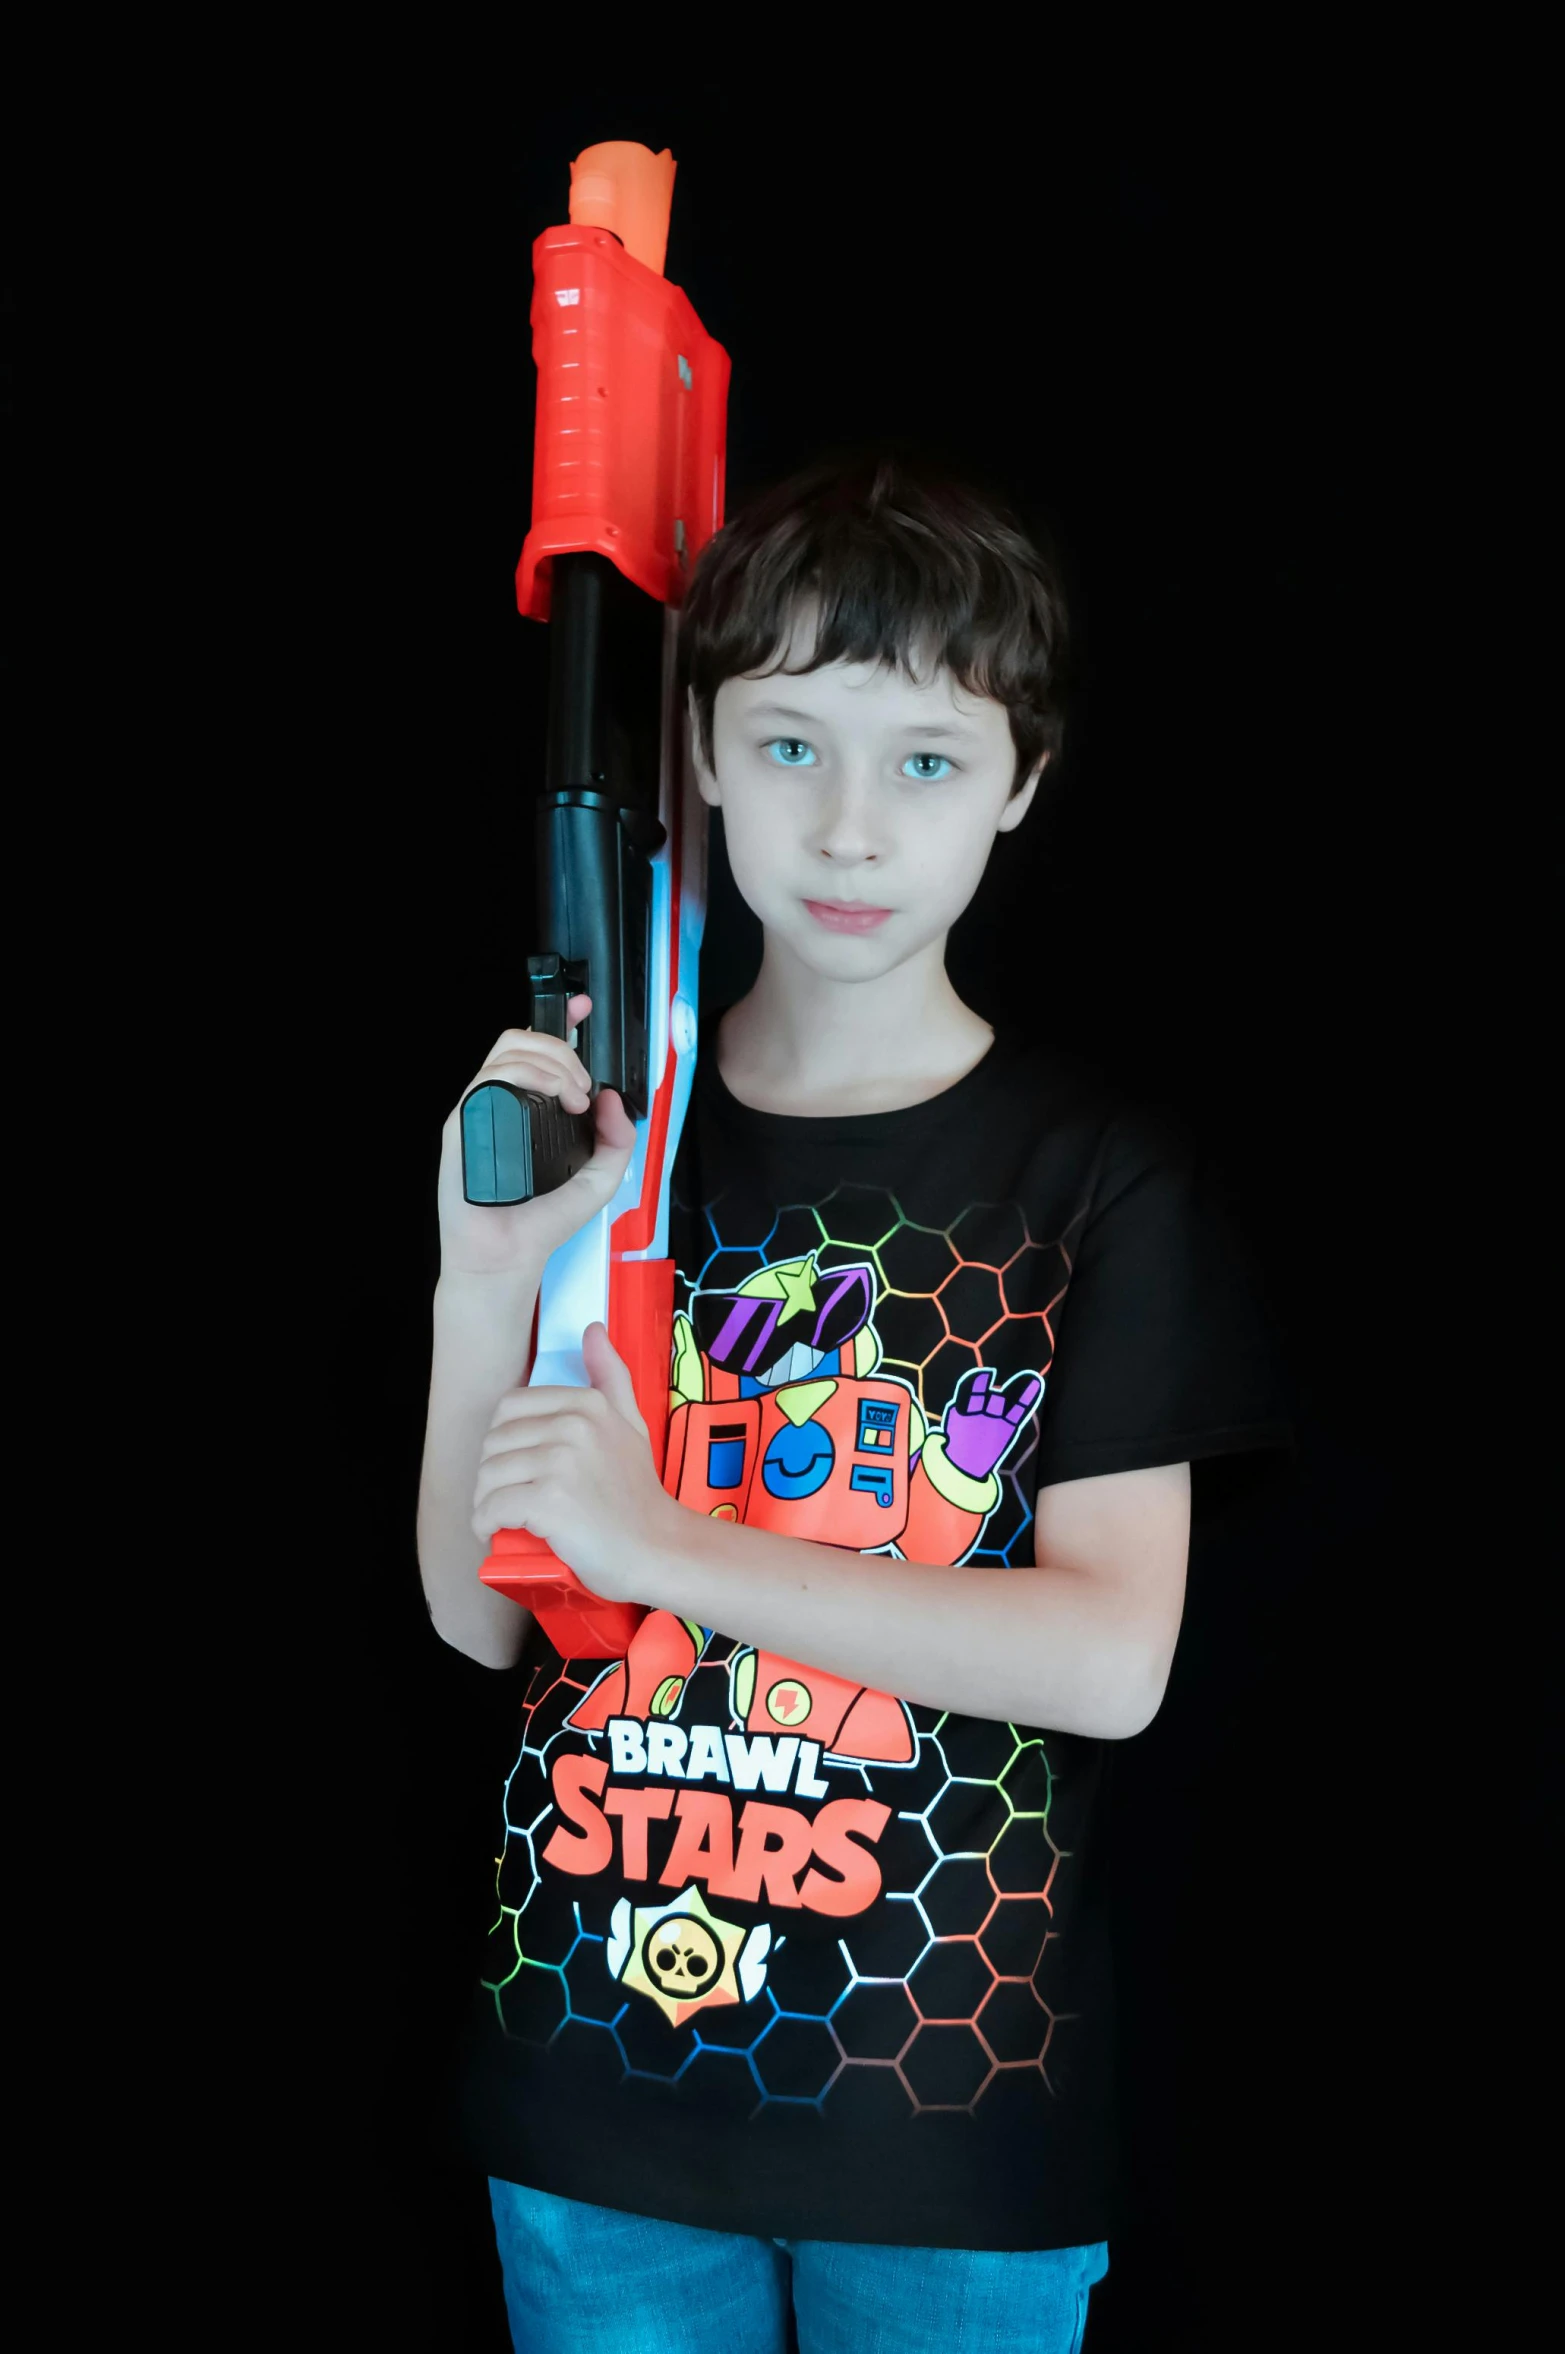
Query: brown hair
x,y
907,557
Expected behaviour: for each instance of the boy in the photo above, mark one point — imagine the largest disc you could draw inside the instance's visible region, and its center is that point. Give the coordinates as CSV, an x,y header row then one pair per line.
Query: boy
x,y
798,2002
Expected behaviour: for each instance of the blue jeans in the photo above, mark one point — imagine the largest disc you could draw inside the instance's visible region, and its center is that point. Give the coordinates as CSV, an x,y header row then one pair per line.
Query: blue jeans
x,y
589,2280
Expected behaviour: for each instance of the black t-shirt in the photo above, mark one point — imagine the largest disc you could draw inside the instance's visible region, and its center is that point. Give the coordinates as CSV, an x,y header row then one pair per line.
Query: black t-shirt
x,y
772,1953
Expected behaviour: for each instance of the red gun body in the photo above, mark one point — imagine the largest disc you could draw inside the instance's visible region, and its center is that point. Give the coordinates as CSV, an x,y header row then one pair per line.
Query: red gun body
x,y
629,462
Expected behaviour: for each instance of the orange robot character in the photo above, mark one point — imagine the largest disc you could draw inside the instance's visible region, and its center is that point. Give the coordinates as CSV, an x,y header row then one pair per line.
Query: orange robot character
x,y
778,1419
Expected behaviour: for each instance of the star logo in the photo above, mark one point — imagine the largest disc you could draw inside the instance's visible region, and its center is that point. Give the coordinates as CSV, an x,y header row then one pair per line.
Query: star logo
x,y
679,1954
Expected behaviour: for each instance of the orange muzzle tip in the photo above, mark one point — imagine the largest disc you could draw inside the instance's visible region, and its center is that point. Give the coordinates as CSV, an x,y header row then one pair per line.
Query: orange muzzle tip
x,y
622,186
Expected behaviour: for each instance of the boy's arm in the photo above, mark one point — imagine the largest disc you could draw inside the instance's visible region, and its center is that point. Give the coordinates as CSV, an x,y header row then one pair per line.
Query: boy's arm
x,y
492,1261
482,1348
1080,1643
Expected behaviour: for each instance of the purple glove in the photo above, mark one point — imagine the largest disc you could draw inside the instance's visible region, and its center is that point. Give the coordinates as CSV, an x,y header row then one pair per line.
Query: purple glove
x,y
981,1422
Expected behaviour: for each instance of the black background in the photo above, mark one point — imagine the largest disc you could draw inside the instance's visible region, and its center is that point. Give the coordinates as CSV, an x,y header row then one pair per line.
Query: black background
x,y
1166,334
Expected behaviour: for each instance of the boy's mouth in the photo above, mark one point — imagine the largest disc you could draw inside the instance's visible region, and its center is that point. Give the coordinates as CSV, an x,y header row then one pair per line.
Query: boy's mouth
x,y
854,916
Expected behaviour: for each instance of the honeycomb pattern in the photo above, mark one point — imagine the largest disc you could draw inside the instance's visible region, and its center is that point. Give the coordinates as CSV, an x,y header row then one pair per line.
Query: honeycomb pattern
x,y
938,1993
939,1986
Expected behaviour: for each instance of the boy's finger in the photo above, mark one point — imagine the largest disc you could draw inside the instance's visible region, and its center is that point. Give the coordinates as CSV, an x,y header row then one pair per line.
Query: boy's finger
x,y
547,1398
535,1042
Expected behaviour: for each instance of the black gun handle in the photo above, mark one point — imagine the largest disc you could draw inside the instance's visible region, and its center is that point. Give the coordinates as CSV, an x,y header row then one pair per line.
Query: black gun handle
x,y
517,1143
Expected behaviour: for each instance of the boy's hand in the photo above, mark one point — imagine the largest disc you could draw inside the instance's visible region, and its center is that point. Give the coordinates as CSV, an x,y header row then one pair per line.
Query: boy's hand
x,y
574,1466
481,1239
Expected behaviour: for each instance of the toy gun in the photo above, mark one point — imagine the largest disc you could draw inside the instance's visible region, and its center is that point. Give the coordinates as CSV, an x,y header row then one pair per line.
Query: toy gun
x,y
628,474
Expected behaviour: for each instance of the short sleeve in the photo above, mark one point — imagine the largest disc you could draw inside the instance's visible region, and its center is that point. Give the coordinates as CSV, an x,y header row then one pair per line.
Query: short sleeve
x,y
1164,1350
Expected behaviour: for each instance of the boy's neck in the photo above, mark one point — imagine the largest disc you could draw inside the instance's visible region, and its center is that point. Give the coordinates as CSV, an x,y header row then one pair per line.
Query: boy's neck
x,y
837,1047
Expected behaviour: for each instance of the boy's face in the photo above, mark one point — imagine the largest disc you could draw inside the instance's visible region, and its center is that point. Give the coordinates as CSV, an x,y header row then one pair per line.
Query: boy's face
x,y
851,783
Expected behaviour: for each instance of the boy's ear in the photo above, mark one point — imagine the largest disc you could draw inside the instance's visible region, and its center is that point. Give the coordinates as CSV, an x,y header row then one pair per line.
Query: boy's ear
x,y
704,776
1017,807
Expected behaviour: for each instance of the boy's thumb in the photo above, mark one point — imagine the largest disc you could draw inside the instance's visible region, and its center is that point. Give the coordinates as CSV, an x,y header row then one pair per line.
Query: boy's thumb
x,y
601,1176
608,1372
561,1214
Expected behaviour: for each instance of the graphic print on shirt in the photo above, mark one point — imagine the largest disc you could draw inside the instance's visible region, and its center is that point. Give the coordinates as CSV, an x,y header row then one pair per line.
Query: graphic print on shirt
x,y
884,1906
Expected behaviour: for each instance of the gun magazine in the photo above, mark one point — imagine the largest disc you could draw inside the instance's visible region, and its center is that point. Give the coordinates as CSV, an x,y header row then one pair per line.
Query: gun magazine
x,y
517,1144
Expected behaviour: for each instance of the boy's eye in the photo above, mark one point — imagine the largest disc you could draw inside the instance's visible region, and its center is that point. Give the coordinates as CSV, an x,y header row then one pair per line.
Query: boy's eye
x,y
930,768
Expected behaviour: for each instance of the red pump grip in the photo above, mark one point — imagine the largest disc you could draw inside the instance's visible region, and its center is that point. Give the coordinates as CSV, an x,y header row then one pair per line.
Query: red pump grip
x,y
628,458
